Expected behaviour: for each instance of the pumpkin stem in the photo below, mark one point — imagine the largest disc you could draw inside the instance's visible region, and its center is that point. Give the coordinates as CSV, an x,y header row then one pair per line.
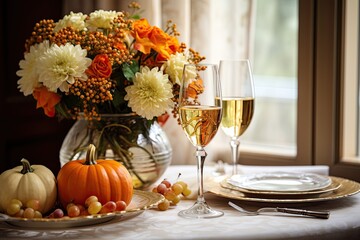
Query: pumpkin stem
x,y
26,166
90,155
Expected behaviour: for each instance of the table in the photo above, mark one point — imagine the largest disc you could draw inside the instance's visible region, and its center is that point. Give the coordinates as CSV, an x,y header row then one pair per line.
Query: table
x,y
344,221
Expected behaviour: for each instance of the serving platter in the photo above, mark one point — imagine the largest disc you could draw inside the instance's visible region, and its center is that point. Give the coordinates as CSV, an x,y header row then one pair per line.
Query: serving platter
x,y
346,189
141,201
280,182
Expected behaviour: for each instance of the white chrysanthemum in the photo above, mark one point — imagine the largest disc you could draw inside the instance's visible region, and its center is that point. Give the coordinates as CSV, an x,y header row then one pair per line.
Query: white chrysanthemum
x,y
75,20
150,95
101,19
60,65
28,68
174,67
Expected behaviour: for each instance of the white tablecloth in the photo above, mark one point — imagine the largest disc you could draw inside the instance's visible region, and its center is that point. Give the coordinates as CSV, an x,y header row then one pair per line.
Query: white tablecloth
x,y
344,221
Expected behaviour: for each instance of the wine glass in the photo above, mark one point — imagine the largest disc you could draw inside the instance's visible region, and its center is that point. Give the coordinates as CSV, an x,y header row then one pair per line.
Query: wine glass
x,y
200,116
237,102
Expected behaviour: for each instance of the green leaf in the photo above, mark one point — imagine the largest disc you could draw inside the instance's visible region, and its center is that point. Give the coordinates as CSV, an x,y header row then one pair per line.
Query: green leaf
x,y
135,16
130,70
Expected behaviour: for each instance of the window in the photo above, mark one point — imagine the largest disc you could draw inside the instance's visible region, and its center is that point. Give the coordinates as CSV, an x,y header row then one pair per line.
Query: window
x,y
350,96
274,59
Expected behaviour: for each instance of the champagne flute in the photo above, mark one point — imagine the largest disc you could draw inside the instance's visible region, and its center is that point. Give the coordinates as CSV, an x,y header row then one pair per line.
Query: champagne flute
x,y
200,116
237,102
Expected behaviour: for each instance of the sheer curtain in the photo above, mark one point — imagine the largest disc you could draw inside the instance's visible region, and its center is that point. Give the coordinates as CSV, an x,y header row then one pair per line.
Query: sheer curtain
x,y
216,29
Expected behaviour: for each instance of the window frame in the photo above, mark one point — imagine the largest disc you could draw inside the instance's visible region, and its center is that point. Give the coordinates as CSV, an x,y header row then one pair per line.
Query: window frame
x,y
320,81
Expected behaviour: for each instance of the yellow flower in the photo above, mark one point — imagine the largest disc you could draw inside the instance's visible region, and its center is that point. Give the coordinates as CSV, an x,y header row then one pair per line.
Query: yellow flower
x,y
150,95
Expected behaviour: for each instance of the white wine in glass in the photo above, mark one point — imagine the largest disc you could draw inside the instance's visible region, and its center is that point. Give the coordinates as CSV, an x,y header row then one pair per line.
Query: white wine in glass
x,y
200,116
238,99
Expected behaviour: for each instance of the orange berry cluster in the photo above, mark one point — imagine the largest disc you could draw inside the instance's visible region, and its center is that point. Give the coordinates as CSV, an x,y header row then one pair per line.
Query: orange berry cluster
x,y
91,92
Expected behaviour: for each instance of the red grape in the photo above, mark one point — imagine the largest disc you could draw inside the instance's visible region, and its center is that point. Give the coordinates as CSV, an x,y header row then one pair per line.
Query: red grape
x,y
120,206
110,206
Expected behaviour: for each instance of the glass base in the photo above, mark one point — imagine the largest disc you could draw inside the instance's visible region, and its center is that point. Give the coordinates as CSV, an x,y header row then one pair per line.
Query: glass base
x,y
200,210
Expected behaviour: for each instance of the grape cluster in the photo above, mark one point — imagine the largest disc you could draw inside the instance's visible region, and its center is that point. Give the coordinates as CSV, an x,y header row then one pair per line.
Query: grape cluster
x,y
30,209
171,192
91,206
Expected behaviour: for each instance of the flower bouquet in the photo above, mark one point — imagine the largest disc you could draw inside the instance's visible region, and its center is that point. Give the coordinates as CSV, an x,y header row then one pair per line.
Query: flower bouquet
x,y
104,63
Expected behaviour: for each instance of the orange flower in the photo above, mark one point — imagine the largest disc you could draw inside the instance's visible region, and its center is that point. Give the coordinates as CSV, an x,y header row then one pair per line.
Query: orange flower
x,y
148,38
100,67
141,31
141,28
172,46
47,100
162,119
120,46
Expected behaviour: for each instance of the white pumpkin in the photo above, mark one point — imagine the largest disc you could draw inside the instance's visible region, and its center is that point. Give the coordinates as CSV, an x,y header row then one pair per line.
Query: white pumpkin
x,y
28,182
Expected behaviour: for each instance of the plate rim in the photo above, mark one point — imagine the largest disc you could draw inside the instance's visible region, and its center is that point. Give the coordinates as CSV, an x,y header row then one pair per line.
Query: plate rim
x,y
276,175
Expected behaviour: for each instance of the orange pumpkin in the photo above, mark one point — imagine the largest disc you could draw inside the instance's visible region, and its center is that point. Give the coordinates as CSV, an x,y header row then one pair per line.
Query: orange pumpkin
x,y
106,179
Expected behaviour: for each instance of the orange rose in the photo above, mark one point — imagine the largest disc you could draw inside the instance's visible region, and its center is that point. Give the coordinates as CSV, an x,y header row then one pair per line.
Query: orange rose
x,y
141,28
172,46
160,39
141,31
100,67
47,100
143,45
147,38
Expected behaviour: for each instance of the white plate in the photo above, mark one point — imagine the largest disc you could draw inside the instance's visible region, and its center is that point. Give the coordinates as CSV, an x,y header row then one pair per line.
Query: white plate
x,y
280,182
347,188
141,200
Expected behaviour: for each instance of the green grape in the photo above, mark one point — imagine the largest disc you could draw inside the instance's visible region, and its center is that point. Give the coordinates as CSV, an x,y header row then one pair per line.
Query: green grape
x,y
186,192
33,203
177,188
90,200
94,207
37,214
17,201
176,200
183,184
13,208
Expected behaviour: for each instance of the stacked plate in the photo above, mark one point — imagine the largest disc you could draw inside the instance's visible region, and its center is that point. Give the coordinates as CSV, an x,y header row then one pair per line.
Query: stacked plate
x,y
285,187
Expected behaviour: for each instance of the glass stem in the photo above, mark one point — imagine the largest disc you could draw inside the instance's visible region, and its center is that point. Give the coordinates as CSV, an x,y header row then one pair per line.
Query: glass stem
x,y
200,156
234,143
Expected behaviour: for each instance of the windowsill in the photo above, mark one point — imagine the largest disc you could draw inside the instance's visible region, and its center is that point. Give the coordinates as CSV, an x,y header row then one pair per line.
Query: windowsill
x,y
280,151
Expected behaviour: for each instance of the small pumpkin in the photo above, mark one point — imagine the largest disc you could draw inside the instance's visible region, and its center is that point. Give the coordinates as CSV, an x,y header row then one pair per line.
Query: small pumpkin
x,y
106,179
28,182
